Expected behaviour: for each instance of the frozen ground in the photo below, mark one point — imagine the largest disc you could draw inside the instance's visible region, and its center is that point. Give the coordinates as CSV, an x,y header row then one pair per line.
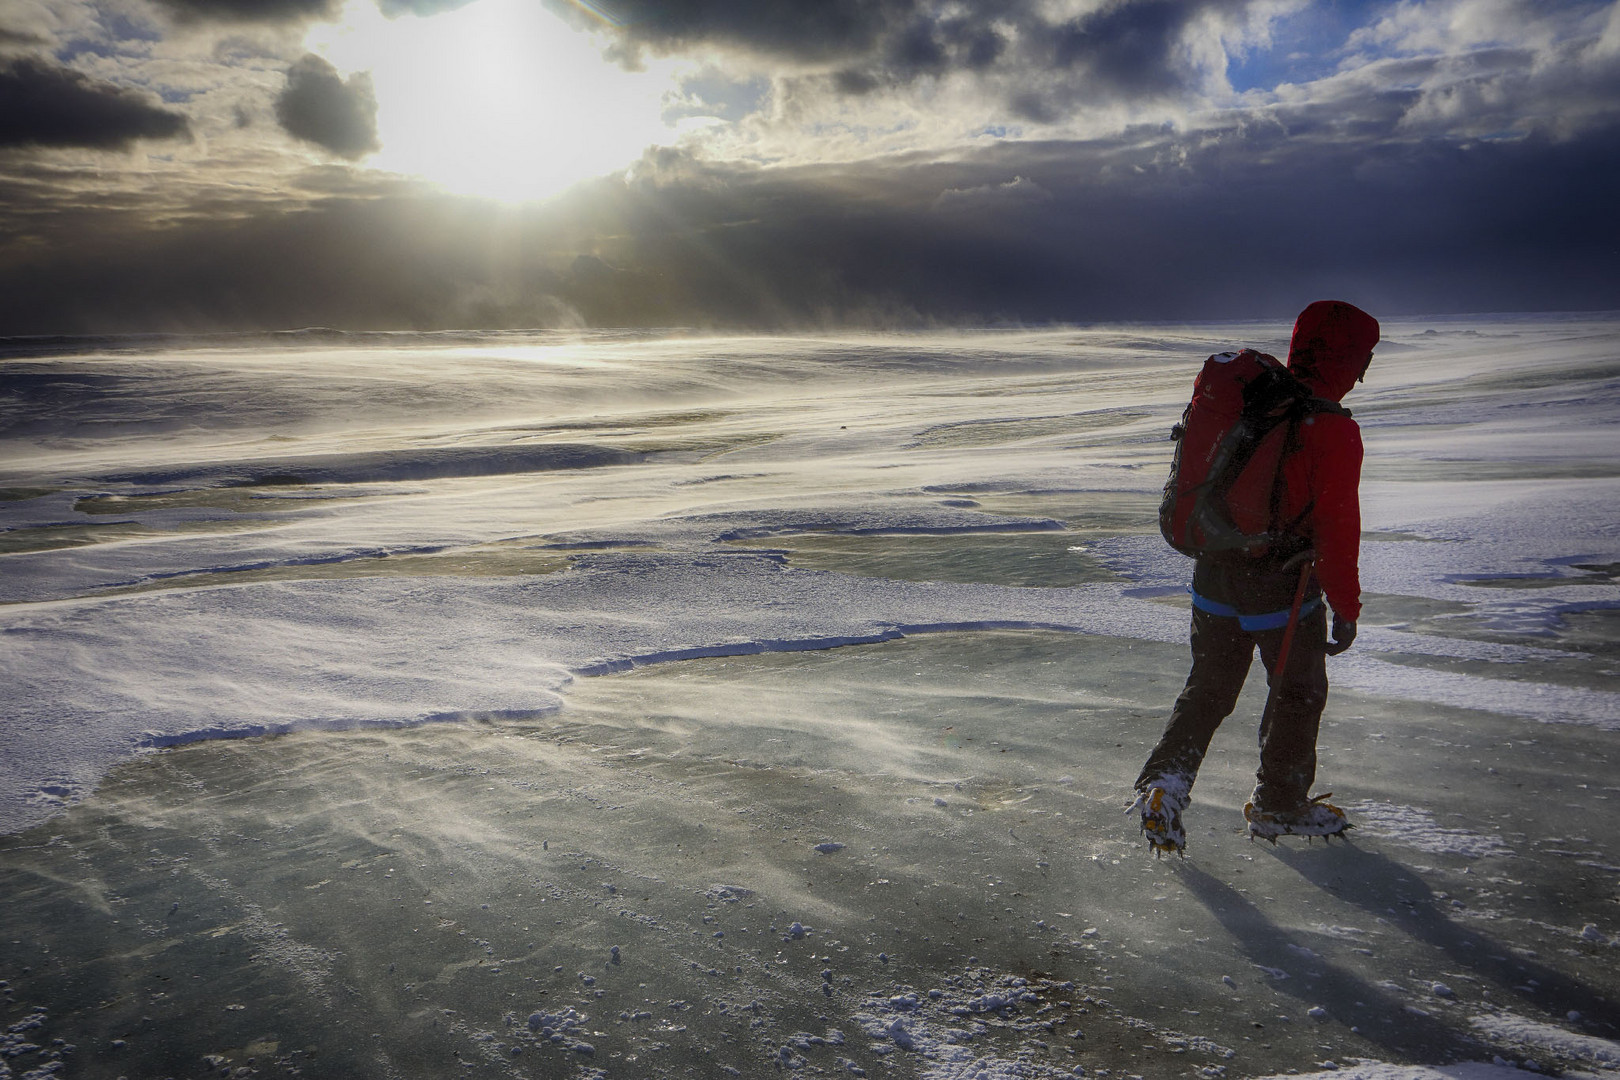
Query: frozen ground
x,y
903,857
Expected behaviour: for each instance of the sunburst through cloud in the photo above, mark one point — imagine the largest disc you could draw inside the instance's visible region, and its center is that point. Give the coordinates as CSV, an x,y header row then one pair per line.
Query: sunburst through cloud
x,y
501,97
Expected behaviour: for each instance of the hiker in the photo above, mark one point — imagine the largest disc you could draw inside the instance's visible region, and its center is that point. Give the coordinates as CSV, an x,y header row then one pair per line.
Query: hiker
x,y
1242,600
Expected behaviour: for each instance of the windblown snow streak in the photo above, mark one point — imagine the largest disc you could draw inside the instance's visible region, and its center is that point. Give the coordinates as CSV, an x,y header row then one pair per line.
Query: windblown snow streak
x,y
830,435
516,539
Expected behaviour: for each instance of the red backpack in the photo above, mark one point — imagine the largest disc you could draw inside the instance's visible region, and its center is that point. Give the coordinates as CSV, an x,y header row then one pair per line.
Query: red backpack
x,y
1223,492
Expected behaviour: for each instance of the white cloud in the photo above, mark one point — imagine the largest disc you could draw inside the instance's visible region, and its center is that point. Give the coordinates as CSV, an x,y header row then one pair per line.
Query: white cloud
x,y
1608,44
1451,26
1019,191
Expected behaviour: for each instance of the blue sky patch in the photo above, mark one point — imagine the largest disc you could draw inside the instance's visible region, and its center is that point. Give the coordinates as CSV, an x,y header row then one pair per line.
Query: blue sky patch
x,y
720,96
1306,45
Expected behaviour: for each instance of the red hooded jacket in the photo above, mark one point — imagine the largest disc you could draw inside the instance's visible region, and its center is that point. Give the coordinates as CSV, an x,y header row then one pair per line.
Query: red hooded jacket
x,y
1329,352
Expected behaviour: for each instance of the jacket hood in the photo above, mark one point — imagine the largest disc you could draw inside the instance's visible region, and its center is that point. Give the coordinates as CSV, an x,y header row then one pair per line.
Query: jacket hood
x,y
1331,347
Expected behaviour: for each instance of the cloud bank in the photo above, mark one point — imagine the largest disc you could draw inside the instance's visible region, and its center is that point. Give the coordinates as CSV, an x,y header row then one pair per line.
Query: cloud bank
x,y
873,162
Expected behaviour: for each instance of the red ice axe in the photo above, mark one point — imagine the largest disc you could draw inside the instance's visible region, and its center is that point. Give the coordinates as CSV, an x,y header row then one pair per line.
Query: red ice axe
x,y
1305,560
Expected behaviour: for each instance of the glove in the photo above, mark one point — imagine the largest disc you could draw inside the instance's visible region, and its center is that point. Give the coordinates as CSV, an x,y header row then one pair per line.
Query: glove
x,y
1344,635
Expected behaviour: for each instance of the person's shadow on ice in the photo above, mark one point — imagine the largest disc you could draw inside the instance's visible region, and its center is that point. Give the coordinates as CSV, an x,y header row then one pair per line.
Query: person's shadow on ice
x,y
1392,892
1378,1014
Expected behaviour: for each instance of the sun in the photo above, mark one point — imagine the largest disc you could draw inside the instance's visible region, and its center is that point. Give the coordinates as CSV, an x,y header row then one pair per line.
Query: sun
x,y
500,98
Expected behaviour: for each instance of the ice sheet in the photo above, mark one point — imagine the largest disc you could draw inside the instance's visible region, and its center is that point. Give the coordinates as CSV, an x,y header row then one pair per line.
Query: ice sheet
x,y
518,538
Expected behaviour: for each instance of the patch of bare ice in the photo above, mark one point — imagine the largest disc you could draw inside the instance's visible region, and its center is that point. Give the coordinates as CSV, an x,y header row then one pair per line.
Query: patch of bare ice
x,y
1414,827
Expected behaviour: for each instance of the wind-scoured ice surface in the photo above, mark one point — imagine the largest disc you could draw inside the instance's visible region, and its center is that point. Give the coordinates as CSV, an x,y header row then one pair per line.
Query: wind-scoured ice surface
x,y
650,707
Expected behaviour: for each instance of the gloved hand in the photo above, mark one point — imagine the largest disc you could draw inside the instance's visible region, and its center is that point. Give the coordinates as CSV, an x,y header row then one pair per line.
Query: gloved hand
x,y
1344,635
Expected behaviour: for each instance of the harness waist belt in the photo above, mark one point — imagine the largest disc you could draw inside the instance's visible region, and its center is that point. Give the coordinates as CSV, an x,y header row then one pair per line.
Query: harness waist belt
x,y
1271,620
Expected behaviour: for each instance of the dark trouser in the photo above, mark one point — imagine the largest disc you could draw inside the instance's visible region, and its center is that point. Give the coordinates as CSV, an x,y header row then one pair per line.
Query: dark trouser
x,y
1222,652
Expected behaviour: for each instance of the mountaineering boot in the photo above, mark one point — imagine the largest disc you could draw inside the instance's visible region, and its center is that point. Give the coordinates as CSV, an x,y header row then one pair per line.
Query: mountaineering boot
x,y
1318,817
1160,802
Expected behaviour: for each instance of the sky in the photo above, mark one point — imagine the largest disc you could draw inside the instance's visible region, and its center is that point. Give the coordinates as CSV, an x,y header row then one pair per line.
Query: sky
x,y
789,165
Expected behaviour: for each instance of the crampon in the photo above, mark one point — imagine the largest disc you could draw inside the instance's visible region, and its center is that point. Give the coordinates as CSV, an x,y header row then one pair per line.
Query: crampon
x,y
1318,817
1160,803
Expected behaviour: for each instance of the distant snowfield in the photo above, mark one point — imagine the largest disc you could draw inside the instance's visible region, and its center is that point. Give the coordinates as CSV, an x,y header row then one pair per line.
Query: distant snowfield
x,y
464,572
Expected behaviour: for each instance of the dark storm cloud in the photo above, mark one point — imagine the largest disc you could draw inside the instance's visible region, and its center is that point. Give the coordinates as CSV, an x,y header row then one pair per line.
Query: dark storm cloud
x,y
251,11
804,29
923,47
1136,51
1119,49
978,46
1128,47
1110,230
1155,227
319,106
43,104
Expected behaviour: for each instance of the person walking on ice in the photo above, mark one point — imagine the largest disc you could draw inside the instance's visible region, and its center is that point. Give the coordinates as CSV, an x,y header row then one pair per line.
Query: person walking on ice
x,y
1264,494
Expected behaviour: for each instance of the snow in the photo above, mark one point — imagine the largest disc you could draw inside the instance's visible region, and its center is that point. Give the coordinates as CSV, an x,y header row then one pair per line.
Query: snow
x,y
1417,829
1586,1049
657,705
1378,1070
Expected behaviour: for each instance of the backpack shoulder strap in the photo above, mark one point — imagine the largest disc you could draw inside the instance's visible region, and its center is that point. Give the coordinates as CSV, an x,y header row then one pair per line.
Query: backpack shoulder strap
x,y
1314,406
1321,405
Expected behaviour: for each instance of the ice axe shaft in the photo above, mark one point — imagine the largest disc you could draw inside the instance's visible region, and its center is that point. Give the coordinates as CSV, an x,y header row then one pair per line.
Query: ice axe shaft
x,y
1305,560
